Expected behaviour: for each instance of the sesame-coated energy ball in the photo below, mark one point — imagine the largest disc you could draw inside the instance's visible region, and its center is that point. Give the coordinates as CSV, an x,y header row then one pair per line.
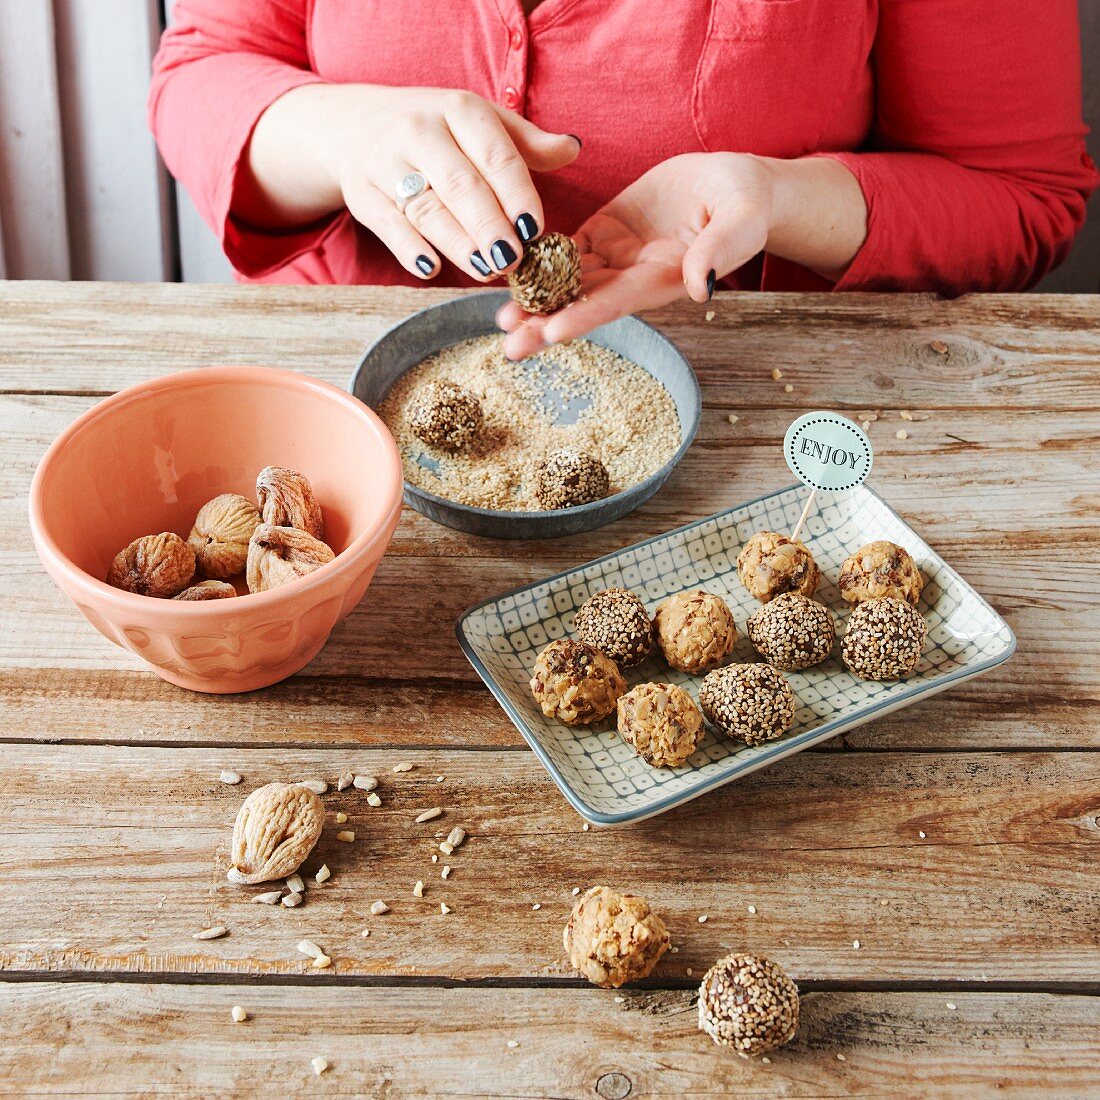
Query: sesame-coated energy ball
x,y
612,938
750,703
747,1002
695,631
792,632
770,564
616,622
548,276
662,722
884,639
576,683
880,569
568,477
444,415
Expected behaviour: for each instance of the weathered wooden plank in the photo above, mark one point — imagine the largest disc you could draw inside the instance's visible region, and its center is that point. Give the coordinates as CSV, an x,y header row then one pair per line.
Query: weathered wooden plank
x,y
848,351
569,1043
129,847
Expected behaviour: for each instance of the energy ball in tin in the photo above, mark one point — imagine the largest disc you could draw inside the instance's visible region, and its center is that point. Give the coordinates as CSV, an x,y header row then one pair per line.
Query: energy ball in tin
x,y
444,415
662,722
750,703
792,632
568,477
695,631
880,569
548,276
770,564
612,938
576,683
747,1002
616,622
884,639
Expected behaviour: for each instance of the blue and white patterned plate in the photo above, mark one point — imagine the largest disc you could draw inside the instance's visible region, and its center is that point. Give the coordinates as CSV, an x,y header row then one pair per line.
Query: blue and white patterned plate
x,y
600,775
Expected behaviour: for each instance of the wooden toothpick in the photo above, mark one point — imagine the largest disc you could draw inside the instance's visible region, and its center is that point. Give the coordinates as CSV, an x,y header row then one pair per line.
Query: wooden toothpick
x,y
805,513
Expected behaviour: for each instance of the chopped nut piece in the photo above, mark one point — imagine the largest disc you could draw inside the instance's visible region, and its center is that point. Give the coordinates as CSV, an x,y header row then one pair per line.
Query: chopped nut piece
x,y
239,1015
788,388
733,418
403,767
445,873
418,889
855,944
620,1000
922,834
512,1043
341,818
214,933
317,786
439,779
270,897
456,836
324,874
447,848
308,947
346,835
951,1007
322,962
776,374
319,1065
230,778
576,890
365,782
841,1058
905,414
429,815
378,908
752,908
345,781
295,884
435,858
444,908
537,906
585,827
373,800
365,933
703,919
292,900
709,315
939,347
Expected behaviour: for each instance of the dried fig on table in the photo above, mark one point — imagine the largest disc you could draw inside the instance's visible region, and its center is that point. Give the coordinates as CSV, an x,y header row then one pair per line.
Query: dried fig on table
x,y
278,555
221,532
154,565
276,828
286,500
207,590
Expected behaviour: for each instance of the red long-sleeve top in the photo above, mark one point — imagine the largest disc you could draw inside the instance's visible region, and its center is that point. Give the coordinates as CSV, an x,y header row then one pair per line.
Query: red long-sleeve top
x,y
961,119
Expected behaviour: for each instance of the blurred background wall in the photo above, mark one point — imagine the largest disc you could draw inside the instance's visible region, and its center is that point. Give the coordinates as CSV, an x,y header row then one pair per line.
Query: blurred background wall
x,y
84,196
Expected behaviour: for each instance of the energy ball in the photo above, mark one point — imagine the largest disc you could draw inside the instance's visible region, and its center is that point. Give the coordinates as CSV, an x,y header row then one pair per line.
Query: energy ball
x,y
568,477
884,639
444,415
616,622
747,1002
770,564
576,683
612,938
662,722
750,703
548,276
792,632
695,631
880,569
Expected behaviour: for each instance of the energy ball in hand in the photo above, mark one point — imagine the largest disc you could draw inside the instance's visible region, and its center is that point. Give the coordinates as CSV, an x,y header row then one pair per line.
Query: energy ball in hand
x,y
616,622
695,631
884,639
662,722
750,703
568,477
444,415
770,564
613,938
548,276
880,569
792,632
575,683
747,1002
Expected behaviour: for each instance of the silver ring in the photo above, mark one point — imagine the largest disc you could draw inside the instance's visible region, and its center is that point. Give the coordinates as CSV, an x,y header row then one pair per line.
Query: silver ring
x,y
408,187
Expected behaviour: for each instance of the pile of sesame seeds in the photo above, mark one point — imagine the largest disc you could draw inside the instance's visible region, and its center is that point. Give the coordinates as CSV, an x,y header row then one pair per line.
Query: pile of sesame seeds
x,y
749,1003
884,639
750,703
616,622
792,632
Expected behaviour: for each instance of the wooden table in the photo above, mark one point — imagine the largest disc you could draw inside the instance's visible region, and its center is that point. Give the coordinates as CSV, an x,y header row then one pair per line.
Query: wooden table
x,y
956,841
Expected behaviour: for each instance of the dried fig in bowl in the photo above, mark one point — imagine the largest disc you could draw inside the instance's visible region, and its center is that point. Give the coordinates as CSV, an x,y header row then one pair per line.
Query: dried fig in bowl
x,y
276,828
221,532
207,590
286,500
154,565
278,555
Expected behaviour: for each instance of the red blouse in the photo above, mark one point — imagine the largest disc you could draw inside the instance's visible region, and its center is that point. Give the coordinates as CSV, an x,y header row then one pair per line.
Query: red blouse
x,y
961,119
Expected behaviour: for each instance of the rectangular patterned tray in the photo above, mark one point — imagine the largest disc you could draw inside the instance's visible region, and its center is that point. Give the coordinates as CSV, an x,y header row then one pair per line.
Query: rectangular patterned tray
x,y
600,775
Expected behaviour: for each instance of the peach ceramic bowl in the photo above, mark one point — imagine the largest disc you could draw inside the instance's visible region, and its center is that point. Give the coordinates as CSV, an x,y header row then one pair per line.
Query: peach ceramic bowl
x,y
145,460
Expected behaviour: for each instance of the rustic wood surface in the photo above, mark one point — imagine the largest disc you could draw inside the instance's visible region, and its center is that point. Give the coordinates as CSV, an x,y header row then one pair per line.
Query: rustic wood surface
x,y
978,966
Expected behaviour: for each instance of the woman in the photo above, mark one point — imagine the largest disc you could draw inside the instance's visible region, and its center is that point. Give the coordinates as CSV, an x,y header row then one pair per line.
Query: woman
x,y
777,144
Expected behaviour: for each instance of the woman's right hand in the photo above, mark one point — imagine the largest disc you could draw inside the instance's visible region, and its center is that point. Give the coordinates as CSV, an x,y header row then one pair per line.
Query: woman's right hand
x,y
323,146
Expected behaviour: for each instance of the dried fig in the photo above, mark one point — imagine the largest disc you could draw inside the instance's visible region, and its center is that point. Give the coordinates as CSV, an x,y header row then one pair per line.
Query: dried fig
x,y
221,533
286,500
207,590
278,555
276,828
154,565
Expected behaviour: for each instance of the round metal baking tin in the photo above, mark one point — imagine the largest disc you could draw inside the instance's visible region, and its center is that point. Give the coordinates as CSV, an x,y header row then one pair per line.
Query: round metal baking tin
x,y
430,330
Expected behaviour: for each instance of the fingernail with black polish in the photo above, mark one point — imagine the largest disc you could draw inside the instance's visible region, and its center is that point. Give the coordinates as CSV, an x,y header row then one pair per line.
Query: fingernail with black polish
x,y
577,140
424,265
477,262
503,255
712,278
527,228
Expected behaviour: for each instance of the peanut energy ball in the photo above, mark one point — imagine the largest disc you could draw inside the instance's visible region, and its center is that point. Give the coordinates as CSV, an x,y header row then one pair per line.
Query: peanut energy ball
x,y
548,276
884,639
568,477
662,722
613,938
880,569
576,683
770,564
792,632
444,415
695,631
616,622
747,1002
750,703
